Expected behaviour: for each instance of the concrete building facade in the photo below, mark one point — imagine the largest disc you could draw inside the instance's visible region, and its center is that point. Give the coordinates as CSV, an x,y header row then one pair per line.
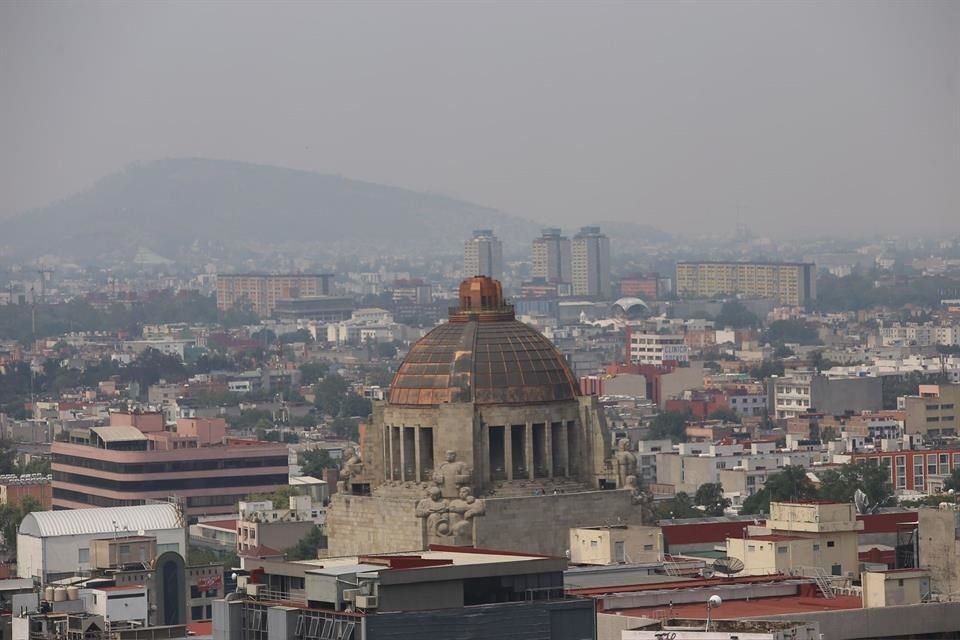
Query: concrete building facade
x,y
590,260
483,255
262,291
124,466
934,412
551,257
804,391
792,283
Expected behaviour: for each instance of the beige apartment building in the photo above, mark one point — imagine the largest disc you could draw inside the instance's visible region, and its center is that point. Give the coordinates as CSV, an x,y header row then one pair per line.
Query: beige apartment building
x,y
483,255
615,544
551,257
933,412
801,536
262,291
792,283
590,263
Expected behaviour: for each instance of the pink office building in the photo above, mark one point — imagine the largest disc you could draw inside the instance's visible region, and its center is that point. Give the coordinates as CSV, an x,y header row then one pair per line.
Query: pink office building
x,y
123,465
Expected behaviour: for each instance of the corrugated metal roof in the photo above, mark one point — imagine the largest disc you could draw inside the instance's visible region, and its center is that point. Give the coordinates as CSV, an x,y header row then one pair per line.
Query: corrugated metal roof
x,y
150,517
119,434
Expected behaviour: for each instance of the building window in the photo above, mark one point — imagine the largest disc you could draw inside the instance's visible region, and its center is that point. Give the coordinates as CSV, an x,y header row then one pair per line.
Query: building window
x,y
781,549
83,556
831,543
648,547
751,547
816,547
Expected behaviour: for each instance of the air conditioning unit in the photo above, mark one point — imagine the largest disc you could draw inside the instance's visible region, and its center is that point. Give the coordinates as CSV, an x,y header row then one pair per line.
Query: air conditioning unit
x,y
350,595
366,602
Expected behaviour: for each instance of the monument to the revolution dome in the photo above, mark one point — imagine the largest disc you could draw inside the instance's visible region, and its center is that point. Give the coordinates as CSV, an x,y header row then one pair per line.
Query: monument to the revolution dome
x,y
484,440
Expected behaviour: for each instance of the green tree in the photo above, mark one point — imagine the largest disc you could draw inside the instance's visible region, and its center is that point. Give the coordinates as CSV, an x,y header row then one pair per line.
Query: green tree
x,y
727,415
783,351
670,424
788,485
300,335
311,372
354,405
952,483
767,369
314,461
710,497
734,314
345,428
329,394
308,548
386,350
280,498
250,419
794,331
11,515
679,506
873,479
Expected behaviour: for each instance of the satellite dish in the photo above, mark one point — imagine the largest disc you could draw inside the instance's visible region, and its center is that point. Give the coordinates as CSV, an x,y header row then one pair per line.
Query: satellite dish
x,y
727,565
862,502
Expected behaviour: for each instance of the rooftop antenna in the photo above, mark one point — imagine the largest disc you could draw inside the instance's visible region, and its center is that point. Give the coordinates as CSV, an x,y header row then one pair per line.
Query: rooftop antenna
x,y
712,602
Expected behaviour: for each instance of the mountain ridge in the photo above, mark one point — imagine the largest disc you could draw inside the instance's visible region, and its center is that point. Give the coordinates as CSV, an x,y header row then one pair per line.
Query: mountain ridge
x,y
169,205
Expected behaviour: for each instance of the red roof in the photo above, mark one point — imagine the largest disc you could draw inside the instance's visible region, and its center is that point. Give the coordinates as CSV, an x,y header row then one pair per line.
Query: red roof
x,y
753,608
229,525
680,584
200,628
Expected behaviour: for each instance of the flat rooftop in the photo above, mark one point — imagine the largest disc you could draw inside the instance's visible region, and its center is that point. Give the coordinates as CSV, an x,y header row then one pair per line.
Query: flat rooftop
x,y
753,608
437,555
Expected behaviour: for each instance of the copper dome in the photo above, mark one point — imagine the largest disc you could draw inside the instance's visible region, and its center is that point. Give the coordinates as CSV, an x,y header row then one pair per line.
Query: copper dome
x,y
483,355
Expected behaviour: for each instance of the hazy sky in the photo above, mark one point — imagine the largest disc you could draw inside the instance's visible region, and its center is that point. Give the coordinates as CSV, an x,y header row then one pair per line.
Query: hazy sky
x,y
687,116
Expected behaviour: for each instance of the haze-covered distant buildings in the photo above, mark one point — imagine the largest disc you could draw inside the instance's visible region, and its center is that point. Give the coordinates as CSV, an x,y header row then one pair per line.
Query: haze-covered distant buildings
x,y
792,283
590,255
483,255
263,291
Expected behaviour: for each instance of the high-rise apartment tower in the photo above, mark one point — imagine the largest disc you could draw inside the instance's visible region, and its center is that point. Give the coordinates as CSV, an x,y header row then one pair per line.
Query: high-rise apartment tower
x,y
590,253
483,255
551,257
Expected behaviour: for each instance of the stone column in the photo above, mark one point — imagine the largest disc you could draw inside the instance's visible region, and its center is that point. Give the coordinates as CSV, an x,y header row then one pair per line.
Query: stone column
x,y
528,450
564,449
389,456
548,445
416,453
508,450
403,461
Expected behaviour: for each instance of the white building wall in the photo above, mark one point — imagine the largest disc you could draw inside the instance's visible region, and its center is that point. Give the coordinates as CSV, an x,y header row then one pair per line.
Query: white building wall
x,y
62,554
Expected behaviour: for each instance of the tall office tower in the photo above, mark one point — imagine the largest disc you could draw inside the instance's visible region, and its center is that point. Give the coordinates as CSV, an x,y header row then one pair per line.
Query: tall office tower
x,y
590,253
551,257
483,255
792,283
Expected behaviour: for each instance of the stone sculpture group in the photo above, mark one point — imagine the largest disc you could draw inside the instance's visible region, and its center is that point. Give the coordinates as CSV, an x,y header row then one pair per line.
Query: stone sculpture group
x,y
449,506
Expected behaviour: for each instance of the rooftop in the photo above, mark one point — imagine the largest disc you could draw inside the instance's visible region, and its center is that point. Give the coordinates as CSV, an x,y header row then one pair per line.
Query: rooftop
x,y
753,608
119,434
77,522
